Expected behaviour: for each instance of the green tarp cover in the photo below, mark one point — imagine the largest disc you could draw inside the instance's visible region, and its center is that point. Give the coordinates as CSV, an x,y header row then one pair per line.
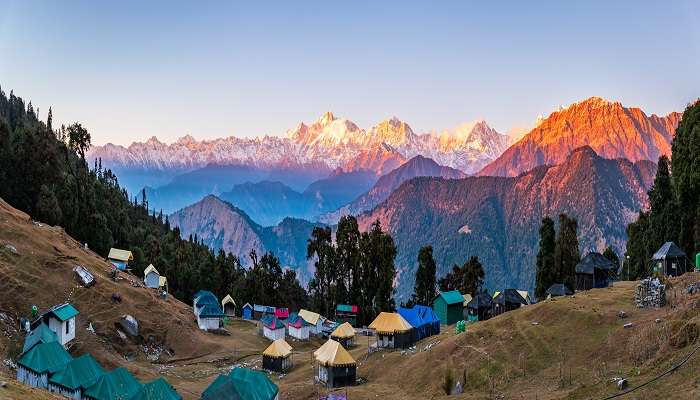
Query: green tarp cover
x,y
243,384
158,389
117,384
40,334
81,372
65,312
45,357
452,297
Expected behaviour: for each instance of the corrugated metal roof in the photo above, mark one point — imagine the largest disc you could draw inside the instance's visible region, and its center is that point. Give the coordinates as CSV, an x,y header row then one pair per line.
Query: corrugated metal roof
x,y
64,312
669,250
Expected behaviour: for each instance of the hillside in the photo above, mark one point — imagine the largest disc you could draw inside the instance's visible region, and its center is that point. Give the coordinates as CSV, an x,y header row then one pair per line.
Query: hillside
x,y
497,219
609,128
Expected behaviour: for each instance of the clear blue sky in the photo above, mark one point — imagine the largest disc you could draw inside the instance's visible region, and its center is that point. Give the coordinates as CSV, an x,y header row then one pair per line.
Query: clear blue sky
x,y
130,70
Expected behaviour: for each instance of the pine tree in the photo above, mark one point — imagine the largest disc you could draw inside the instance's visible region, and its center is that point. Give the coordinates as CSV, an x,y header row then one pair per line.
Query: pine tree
x,y
566,253
546,274
611,255
424,288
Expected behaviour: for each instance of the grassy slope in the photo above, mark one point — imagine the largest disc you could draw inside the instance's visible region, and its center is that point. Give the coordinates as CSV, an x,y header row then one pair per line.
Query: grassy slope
x,y
576,347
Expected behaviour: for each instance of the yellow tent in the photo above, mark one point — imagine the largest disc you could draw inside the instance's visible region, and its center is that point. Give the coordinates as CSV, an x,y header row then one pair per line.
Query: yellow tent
x,y
333,354
120,255
343,331
309,316
278,348
150,269
389,323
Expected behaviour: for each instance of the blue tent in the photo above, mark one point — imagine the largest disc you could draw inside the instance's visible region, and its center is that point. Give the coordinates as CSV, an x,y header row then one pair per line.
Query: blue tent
x,y
423,319
247,311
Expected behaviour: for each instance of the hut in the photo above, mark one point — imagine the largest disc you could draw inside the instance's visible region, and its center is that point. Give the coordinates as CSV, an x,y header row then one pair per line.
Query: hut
x,y
392,331
242,383
314,320
423,320
507,300
202,298
479,308
273,328
120,258
116,384
158,389
558,289
449,307
335,367
210,317
282,313
346,313
35,367
228,306
344,334
61,320
297,327
78,375
151,277
277,356
670,260
40,334
247,311
594,271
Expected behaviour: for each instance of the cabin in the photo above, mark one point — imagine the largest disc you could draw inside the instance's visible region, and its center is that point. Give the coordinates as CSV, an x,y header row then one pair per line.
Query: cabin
x,y
297,327
157,389
40,334
116,384
449,307
273,328
277,356
247,311
594,271
393,331
61,319
315,321
334,366
344,334
557,290
259,311
346,313
479,308
228,306
423,320
242,383
210,317
152,278
507,300
35,367
77,376
670,260
120,258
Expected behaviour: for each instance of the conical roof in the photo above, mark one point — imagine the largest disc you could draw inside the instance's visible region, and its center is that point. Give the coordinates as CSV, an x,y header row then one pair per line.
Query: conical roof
x,y
389,323
343,331
333,354
278,348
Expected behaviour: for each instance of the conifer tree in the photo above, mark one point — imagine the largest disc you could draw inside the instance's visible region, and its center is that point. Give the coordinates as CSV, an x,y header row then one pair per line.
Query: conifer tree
x,y
424,288
546,274
566,253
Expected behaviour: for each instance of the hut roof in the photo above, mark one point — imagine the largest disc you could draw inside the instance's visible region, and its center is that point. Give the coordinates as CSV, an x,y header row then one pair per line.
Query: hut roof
x,y
228,299
272,322
278,348
669,250
150,269
204,294
62,312
296,321
45,357
41,334
309,316
116,384
343,331
158,389
80,372
559,289
451,297
282,312
593,261
389,323
481,300
509,296
525,294
247,305
333,354
120,255
211,311
241,383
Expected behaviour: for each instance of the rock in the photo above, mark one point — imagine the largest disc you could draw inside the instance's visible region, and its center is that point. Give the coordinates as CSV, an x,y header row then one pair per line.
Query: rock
x,y
535,323
622,384
658,320
622,314
130,325
693,288
116,298
12,249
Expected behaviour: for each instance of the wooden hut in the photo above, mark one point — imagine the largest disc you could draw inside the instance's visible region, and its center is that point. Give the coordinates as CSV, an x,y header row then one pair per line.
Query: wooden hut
x,y
479,307
228,306
507,300
344,334
120,258
297,327
335,367
670,260
247,311
449,307
78,375
594,271
35,367
277,356
393,331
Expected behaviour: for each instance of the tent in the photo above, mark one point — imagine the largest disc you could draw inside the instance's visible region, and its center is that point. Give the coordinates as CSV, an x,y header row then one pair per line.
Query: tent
x,y
314,320
479,308
334,365
559,289
344,334
247,311
277,356
507,300
449,307
273,328
116,384
393,331
243,384
78,375
525,295
228,305
40,334
151,277
346,313
297,327
42,361
423,319
670,260
120,258
594,271
158,389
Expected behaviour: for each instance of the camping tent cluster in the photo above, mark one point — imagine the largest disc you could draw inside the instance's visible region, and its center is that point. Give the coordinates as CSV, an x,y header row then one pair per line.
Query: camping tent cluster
x,y
44,363
243,384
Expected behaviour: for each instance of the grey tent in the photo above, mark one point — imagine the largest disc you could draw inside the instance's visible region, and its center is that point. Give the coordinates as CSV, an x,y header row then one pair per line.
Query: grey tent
x,y
594,271
670,260
559,289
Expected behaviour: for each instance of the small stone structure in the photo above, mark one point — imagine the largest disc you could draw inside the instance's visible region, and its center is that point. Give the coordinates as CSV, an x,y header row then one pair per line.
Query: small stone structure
x,y
650,293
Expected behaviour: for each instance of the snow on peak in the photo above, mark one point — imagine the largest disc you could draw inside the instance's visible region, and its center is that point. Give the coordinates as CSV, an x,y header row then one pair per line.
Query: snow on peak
x,y
326,118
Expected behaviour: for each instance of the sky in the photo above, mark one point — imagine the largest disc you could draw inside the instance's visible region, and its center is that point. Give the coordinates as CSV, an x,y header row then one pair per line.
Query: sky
x,y
130,70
